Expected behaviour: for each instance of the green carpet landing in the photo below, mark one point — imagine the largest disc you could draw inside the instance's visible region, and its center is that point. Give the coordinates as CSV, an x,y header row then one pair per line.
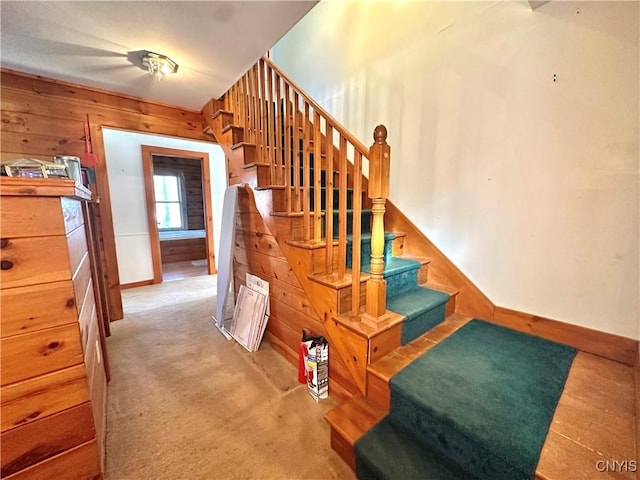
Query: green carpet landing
x,y
477,405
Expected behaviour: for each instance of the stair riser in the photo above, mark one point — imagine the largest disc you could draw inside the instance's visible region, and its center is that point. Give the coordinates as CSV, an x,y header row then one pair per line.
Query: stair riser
x,y
365,252
383,343
402,282
365,225
423,323
378,391
439,435
318,260
336,199
397,248
343,448
344,298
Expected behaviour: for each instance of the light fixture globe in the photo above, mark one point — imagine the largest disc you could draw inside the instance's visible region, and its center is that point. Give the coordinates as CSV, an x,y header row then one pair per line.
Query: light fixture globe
x,y
158,64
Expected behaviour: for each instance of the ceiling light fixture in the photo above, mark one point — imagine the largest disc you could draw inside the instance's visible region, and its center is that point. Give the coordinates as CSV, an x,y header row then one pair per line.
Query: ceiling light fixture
x,y
158,65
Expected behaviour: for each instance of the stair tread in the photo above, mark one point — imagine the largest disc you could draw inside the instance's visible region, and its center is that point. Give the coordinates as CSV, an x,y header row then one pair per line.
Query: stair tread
x,y
402,356
230,127
241,144
367,330
367,236
452,291
310,244
416,300
332,280
407,458
354,417
481,403
217,113
394,266
416,258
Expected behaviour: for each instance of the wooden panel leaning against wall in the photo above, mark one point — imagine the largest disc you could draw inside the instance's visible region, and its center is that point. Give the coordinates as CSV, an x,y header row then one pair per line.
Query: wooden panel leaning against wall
x,y
42,117
257,252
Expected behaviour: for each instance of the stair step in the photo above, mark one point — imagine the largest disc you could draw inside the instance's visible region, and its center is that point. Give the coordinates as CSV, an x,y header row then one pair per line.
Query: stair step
x,y
355,416
424,309
380,372
402,356
389,452
486,401
349,421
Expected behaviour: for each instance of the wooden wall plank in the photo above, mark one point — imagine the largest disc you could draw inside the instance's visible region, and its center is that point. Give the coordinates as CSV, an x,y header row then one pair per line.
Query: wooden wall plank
x,y
259,242
90,95
28,143
266,265
43,117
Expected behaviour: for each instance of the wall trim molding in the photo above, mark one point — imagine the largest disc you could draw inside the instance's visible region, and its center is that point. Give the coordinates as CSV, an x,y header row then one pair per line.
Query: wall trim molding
x,y
607,345
142,283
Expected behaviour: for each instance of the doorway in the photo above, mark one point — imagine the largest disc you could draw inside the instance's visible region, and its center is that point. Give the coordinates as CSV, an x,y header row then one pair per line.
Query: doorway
x,y
175,228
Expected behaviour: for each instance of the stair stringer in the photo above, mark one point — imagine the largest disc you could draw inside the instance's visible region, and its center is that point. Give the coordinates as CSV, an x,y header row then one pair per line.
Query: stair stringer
x,y
351,348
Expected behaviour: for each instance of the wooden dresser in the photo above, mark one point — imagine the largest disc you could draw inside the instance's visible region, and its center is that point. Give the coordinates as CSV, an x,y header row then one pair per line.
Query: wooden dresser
x,y
53,372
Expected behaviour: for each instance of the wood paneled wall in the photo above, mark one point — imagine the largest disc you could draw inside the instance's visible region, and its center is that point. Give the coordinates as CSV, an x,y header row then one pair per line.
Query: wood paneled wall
x,y
182,250
43,117
192,172
257,252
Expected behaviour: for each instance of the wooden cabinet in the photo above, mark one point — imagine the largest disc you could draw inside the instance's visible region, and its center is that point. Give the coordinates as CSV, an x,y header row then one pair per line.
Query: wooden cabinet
x,y
53,369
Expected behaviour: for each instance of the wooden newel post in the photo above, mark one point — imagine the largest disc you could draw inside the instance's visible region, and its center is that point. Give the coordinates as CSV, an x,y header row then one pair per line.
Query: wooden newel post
x,y
379,159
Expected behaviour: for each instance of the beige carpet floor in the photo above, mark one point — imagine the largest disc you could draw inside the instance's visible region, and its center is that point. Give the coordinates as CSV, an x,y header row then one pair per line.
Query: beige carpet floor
x,y
186,403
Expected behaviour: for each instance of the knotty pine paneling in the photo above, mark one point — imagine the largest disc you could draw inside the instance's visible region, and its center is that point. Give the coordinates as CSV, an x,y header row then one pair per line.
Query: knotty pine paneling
x,y
257,252
43,117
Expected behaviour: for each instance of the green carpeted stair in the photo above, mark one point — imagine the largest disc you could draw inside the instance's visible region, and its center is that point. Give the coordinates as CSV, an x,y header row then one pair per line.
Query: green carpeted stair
x,y
478,404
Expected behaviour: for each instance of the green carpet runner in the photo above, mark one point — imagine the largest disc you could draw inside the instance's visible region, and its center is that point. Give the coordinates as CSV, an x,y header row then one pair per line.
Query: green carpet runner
x,y
477,405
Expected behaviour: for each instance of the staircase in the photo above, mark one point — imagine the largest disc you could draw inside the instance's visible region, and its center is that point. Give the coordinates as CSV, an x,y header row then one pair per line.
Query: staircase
x,y
383,293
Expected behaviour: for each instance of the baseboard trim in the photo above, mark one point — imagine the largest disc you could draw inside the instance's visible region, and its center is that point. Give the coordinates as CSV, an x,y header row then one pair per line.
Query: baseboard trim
x,y
143,283
607,345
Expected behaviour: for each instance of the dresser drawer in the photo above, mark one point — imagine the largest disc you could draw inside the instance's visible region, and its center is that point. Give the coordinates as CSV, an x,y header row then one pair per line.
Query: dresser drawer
x,y
34,307
31,217
42,396
36,441
37,353
27,261
79,463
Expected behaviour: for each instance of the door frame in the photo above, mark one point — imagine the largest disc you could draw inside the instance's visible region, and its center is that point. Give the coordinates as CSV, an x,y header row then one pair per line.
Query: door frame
x,y
148,151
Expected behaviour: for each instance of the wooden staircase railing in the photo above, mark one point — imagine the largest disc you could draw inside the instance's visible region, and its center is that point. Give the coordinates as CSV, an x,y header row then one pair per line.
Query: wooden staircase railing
x,y
287,127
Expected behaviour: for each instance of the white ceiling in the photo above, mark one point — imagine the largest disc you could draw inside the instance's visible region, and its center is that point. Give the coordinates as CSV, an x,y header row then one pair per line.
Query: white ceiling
x,y
214,42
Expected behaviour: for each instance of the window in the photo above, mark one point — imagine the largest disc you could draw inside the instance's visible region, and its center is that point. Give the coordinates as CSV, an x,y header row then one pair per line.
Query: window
x,y
170,200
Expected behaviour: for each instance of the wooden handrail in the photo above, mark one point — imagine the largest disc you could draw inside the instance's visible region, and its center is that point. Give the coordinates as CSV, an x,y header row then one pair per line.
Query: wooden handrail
x,y
288,129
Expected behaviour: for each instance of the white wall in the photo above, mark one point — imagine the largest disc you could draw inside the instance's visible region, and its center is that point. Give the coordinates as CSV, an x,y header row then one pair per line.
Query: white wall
x,y
126,184
530,186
